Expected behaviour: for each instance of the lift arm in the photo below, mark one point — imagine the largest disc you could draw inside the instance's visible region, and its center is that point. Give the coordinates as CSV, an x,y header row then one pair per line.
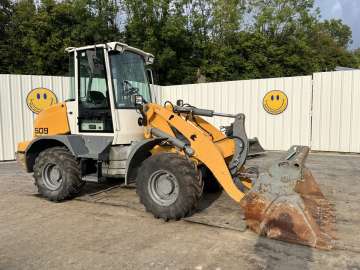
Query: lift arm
x,y
205,143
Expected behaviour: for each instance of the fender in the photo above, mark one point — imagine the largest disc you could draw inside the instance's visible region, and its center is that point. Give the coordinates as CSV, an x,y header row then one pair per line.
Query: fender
x,y
138,154
79,145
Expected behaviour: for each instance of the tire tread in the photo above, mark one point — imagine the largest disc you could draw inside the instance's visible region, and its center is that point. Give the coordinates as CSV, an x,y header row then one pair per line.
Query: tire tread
x,y
191,185
72,182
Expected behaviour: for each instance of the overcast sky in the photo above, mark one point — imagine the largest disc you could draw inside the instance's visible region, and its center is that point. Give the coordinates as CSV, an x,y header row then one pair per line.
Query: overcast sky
x,y
347,10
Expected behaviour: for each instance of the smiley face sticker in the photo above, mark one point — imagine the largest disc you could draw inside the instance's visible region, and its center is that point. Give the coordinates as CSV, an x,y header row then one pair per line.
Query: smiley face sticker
x,y
40,98
275,102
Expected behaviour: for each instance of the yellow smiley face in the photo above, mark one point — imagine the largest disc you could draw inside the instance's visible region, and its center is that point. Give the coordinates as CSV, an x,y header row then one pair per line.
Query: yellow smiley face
x,y
40,98
275,102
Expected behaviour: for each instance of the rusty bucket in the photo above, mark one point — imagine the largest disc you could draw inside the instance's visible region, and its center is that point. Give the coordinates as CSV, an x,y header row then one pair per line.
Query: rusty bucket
x,y
286,203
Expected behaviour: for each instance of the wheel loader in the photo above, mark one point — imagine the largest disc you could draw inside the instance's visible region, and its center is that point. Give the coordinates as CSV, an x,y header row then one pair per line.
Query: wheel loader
x,y
111,127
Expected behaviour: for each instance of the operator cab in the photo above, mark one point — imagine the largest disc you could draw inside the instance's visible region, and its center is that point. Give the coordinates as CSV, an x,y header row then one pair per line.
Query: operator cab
x,y
103,79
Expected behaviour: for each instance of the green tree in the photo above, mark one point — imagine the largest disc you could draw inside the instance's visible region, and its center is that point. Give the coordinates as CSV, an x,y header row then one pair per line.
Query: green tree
x,y
225,23
298,43
160,28
193,40
5,15
356,54
337,31
280,19
37,37
330,41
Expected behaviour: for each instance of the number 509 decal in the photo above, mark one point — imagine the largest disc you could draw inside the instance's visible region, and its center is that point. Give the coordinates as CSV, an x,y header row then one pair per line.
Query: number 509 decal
x,y
41,130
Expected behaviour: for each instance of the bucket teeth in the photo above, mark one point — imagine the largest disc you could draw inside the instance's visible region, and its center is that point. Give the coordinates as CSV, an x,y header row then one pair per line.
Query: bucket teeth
x,y
286,203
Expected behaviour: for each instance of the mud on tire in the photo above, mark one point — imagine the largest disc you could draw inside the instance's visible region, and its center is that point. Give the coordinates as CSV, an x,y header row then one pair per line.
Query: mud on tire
x,y
179,183
57,174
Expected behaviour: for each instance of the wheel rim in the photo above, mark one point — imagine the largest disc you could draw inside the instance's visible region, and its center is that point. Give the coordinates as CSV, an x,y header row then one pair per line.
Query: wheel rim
x,y
163,187
52,176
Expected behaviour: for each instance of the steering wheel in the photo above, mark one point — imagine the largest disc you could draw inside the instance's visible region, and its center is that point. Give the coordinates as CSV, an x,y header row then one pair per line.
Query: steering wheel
x,y
129,89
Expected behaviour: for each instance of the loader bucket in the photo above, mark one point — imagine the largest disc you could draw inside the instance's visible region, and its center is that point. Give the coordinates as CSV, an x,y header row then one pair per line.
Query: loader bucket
x,y
286,203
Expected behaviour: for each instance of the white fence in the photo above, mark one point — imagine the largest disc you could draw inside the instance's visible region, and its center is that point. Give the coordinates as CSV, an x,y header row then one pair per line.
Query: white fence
x,y
336,111
323,110
16,120
274,131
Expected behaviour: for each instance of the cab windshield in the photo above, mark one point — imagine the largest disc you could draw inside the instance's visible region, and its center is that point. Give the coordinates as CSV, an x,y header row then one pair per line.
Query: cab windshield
x,y
128,77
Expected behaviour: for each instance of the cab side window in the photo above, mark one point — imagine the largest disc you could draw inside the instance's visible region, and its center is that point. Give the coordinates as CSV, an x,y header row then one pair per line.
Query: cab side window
x,y
93,87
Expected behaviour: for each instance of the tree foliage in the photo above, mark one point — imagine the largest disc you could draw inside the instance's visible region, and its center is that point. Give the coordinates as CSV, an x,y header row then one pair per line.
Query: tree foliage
x,y
36,37
357,57
5,16
193,40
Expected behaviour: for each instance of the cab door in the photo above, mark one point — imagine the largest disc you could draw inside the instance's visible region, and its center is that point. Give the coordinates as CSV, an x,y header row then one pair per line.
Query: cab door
x,y
93,98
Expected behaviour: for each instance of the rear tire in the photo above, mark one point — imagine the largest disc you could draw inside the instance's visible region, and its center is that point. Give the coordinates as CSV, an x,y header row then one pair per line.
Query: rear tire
x,y
57,174
169,186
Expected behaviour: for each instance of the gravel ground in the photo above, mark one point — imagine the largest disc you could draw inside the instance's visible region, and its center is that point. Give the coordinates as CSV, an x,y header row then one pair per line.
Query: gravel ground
x,y
83,234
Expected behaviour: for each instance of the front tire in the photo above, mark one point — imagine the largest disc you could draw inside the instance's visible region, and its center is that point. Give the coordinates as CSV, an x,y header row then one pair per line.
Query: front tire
x,y
169,186
57,174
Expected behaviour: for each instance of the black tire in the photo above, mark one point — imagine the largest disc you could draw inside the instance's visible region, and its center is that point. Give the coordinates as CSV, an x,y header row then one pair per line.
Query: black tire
x,y
189,185
69,184
211,185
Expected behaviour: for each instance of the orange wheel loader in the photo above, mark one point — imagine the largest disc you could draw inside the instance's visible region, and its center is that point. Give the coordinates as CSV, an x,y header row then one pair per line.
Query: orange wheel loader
x,y
110,127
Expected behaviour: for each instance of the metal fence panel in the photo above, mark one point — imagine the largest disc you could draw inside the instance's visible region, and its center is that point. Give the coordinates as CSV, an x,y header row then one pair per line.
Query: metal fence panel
x,y
16,120
331,97
336,111
275,132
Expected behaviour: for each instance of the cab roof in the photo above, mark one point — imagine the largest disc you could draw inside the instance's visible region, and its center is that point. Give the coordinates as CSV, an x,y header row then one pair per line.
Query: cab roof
x,y
112,46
